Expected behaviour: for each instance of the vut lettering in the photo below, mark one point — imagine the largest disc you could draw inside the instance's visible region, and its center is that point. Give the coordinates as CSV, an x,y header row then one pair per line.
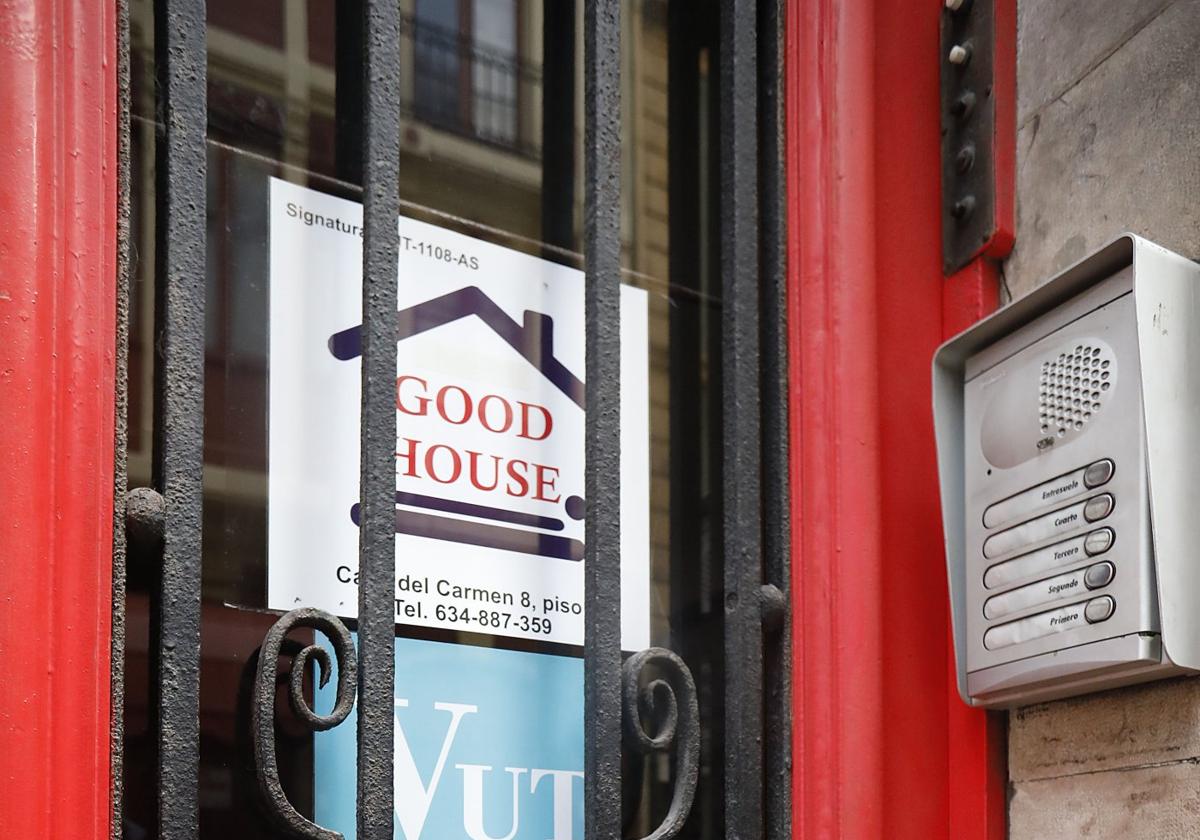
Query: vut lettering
x,y
414,798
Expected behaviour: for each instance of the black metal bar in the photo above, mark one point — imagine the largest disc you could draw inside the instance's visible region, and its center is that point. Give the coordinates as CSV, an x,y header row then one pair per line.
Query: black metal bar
x,y
180,59
120,426
777,706
740,382
602,573
377,535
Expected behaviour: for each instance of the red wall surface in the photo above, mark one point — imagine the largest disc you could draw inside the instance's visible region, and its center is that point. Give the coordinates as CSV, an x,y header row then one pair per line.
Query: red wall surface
x,y
883,745
58,117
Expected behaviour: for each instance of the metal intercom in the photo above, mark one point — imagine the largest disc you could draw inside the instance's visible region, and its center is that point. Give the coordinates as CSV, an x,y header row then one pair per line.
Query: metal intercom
x,y
1068,438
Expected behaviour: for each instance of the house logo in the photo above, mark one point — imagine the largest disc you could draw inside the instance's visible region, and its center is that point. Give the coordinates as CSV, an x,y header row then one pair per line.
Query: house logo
x,y
471,453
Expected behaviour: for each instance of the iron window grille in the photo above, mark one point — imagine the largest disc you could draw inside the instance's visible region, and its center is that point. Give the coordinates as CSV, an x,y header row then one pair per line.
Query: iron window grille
x,y
646,703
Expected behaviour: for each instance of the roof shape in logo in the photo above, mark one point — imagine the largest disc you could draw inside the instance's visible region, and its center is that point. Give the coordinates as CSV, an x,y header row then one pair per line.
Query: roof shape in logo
x,y
534,339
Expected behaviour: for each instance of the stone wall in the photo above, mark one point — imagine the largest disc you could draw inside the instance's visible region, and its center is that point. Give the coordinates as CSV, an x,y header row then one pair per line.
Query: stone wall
x,y
1108,140
1108,129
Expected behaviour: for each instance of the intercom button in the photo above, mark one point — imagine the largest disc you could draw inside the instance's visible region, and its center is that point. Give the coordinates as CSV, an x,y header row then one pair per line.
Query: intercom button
x,y
1099,473
1035,627
1098,542
1098,507
1039,497
1099,575
1058,522
1099,609
1035,563
1057,588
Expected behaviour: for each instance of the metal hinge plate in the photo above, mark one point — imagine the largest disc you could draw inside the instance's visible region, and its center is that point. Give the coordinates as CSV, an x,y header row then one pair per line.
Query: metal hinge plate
x,y
968,115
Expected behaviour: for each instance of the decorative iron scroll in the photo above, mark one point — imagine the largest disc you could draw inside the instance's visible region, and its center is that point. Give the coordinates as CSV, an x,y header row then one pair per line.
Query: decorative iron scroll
x,y
669,703
280,810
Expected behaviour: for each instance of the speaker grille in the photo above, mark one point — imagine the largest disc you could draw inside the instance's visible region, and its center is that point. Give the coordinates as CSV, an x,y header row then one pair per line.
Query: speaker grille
x,y
1073,387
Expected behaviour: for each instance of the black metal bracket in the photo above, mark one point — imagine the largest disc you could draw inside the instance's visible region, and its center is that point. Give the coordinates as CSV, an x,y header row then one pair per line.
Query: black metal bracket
x,y
774,609
288,821
968,113
668,699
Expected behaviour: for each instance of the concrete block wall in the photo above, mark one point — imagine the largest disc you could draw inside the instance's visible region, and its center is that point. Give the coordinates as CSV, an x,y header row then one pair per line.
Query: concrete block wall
x,y
1108,139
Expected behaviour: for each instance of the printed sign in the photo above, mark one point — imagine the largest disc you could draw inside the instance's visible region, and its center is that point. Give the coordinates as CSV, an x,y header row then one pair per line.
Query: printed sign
x,y
488,746
490,429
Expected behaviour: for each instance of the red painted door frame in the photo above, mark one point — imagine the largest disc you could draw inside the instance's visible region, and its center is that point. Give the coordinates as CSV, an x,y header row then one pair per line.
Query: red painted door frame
x,y
58,165
883,747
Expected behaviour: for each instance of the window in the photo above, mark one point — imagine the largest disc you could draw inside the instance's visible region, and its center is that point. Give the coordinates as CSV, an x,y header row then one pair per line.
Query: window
x,y
491,147
468,68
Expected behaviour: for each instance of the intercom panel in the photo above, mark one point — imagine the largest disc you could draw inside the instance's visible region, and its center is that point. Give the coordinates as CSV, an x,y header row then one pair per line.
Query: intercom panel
x,y
1057,511
1066,427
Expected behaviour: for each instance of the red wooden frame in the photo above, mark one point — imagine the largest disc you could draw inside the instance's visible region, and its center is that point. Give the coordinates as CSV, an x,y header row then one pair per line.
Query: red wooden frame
x,y
58,117
883,747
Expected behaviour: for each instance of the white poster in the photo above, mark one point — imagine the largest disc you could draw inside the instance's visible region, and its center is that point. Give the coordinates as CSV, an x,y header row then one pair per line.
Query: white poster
x,y
490,429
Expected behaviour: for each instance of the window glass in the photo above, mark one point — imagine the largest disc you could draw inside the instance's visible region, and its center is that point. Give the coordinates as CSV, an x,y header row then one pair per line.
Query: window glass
x,y
494,70
437,66
491,148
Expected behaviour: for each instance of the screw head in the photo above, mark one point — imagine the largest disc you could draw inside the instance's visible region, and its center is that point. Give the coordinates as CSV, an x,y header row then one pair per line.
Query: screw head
x,y
960,54
963,208
965,158
964,105
954,5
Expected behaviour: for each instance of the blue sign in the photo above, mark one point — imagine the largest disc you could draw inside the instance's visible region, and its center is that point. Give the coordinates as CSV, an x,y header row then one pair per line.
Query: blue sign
x,y
488,746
